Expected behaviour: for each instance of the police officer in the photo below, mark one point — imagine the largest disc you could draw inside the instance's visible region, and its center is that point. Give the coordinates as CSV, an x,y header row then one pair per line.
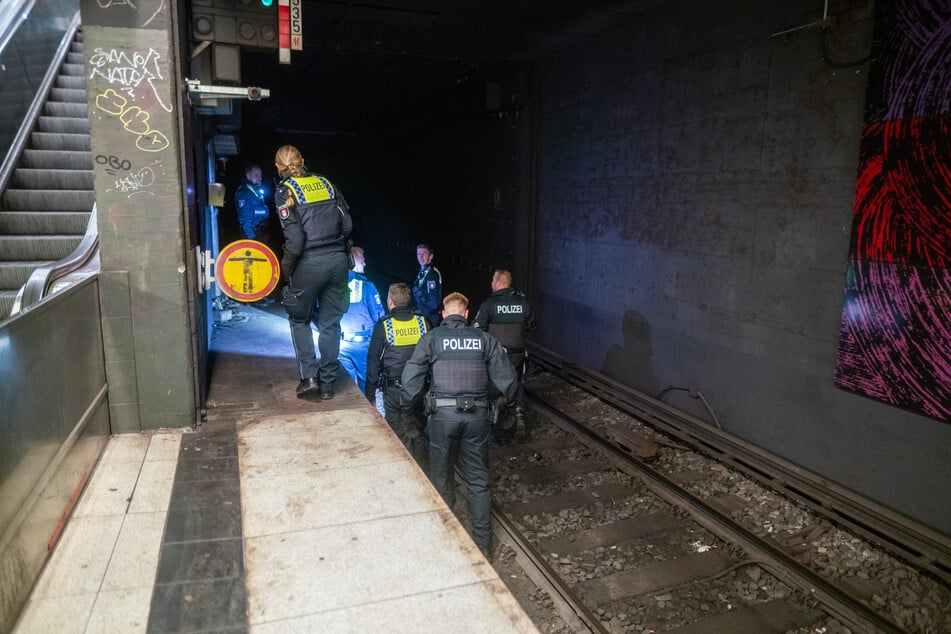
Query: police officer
x,y
460,363
392,343
356,326
427,290
316,222
507,315
252,208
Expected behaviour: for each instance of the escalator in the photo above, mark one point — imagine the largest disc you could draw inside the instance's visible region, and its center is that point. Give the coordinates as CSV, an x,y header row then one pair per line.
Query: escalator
x,y
47,202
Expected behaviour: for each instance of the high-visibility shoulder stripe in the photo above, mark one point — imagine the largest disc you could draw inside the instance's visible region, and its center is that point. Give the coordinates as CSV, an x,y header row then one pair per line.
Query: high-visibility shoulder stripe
x,y
310,189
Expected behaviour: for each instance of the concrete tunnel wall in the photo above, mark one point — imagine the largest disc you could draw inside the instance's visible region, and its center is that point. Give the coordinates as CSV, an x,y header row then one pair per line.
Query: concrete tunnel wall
x,y
697,180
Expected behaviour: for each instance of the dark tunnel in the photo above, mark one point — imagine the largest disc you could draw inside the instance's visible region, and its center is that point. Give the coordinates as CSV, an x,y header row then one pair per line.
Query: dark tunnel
x,y
672,185
422,114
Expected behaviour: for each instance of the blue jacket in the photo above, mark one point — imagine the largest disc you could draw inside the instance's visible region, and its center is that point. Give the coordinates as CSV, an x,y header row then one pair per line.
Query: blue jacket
x,y
252,209
365,308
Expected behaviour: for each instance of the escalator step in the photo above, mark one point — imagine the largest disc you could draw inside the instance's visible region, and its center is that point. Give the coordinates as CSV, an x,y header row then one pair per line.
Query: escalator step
x,y
6,303
51,179
25,248
43,222
73,95
58,141
48,199
74,70
71,81
63,109
13,275
69,125
49,196
55,159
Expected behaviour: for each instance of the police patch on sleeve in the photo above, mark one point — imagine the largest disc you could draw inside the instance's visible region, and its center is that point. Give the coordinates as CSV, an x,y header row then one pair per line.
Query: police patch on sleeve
x,y
283,211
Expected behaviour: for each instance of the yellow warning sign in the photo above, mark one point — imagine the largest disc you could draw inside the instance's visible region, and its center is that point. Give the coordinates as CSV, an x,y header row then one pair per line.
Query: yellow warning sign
x,y
247,270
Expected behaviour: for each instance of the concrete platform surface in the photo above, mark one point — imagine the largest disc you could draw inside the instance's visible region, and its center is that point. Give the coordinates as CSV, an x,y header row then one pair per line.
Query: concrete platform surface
x,y
275,515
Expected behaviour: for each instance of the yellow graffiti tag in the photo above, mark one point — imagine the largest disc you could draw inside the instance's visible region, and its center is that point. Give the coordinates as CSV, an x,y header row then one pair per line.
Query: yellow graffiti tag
x,y
134,120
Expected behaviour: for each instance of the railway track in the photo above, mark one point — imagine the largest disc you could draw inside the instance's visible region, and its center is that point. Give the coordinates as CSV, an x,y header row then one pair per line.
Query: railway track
x,y
634,530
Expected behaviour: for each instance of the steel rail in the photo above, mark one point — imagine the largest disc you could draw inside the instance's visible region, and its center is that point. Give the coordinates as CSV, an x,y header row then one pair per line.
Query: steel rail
x,y
554,580
921,546
835,601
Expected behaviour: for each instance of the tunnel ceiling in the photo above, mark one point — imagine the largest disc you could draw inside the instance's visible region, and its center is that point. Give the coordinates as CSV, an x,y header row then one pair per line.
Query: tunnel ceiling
x,y
372,61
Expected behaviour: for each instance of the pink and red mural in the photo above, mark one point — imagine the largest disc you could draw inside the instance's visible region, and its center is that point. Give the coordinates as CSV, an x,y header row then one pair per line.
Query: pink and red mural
x,y
895,341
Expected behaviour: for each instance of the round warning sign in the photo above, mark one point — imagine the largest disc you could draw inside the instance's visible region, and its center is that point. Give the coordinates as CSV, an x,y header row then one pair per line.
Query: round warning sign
x,y
247,270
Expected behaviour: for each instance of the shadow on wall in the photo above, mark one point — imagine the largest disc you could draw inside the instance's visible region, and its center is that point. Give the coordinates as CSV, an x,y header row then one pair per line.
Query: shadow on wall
x,y
631,363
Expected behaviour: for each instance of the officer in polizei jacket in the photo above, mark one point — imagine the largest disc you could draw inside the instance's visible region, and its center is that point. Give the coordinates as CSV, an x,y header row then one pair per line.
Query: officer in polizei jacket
x,y
316,223
507,315
460,363
392,343
252,208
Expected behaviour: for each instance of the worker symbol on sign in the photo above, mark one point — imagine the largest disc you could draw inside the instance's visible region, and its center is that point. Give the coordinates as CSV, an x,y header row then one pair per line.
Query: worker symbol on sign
x,y
247,270
248,260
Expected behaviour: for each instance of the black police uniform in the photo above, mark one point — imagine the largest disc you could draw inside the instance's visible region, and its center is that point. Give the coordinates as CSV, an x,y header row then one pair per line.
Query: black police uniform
x,y
315,263
392,343
460,362
507,315
427,293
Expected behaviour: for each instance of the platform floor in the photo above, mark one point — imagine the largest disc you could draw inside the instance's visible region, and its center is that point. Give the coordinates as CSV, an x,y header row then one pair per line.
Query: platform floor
x,y
276,515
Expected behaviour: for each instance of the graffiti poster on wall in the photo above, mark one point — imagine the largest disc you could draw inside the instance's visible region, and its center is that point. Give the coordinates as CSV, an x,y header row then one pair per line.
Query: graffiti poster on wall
x,y
895,341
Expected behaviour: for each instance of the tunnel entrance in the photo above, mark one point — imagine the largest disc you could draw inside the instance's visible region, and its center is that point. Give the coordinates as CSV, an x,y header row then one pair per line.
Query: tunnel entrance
x,y
421,114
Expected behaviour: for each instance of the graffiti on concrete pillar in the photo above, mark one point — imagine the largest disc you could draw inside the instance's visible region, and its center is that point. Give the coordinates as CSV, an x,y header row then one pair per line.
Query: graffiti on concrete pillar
x,y
129,70
133,119
136,14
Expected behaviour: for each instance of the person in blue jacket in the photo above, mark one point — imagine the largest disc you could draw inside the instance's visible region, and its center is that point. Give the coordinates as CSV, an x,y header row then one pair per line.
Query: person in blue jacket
x,y
427,290
357,323
251,206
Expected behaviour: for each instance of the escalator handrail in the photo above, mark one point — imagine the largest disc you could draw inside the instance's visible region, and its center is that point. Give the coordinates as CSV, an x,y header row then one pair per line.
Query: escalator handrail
x,y
11,14
41,280
29,120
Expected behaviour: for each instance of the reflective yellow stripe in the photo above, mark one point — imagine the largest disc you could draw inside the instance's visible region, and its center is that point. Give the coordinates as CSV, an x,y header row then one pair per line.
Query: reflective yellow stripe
x,y
309,189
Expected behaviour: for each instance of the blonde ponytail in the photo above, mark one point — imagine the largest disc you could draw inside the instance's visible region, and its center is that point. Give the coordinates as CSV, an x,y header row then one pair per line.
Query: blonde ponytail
x,y
289,162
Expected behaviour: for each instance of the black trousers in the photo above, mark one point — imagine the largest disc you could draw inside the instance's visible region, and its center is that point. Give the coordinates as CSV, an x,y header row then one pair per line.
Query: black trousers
x,y
412,439
319,277
463,438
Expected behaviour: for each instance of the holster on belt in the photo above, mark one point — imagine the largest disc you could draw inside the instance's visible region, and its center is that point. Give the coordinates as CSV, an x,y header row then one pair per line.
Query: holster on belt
x,y
429,403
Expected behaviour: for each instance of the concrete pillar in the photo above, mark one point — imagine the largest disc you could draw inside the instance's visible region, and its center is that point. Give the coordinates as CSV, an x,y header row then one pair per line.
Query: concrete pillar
x,y
133,94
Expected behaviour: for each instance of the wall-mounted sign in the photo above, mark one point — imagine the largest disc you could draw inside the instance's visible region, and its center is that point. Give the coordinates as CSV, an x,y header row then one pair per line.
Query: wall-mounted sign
x,y
247,270
284,31
297,27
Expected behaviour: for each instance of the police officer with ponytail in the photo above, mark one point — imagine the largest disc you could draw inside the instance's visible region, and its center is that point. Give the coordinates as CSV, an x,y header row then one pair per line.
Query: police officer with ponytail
x,y
460,363
392,343
316,222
